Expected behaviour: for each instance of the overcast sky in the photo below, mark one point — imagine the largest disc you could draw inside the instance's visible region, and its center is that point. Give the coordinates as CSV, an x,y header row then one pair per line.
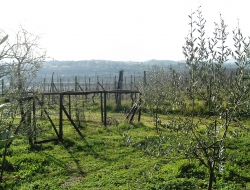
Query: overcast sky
x,y
118,30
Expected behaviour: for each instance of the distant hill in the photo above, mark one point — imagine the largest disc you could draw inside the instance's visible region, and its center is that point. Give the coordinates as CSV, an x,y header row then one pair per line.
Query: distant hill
x,y
67,69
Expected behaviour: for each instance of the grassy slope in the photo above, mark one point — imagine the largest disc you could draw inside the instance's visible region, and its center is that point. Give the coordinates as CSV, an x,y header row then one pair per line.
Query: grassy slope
x,y
104,160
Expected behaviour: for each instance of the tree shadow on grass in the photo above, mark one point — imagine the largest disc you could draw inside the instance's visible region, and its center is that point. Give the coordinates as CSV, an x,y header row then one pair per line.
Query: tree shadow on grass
x,y
87,148
90,149
233,176
39,147
72,147
67,144
139,125
53,159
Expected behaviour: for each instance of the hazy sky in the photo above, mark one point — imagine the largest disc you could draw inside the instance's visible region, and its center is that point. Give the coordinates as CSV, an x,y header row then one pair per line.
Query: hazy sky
x,y
119,30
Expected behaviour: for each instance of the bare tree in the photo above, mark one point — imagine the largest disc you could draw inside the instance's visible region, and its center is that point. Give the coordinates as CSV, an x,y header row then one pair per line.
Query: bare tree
x,y
26,57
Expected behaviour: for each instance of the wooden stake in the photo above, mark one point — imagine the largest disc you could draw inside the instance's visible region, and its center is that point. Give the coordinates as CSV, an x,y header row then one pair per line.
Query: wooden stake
x,y
61,118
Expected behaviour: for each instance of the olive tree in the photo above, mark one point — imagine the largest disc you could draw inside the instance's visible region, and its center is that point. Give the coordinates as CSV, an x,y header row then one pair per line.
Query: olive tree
x,y
202,135
200,138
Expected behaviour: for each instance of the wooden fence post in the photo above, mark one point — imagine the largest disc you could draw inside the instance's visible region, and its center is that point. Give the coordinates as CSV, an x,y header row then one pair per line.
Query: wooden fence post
x,y
68,85
76,83
34,116
120,81
134,78
101,107
115,90
76,100
97,85
89,84
131,83
69,105
125,89
43,97
105,110
61,118
144,79
60,85
29,123
86,88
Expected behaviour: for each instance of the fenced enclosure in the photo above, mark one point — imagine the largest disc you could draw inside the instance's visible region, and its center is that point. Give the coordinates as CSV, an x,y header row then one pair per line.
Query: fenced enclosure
x,y
58,104
48,112
56,101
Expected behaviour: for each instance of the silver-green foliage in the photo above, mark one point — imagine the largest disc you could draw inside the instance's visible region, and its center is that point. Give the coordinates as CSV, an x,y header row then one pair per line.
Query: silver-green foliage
x,y
224,96
162,89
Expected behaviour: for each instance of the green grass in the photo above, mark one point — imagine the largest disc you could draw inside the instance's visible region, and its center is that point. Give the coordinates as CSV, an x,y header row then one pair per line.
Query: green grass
x,y
114,158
